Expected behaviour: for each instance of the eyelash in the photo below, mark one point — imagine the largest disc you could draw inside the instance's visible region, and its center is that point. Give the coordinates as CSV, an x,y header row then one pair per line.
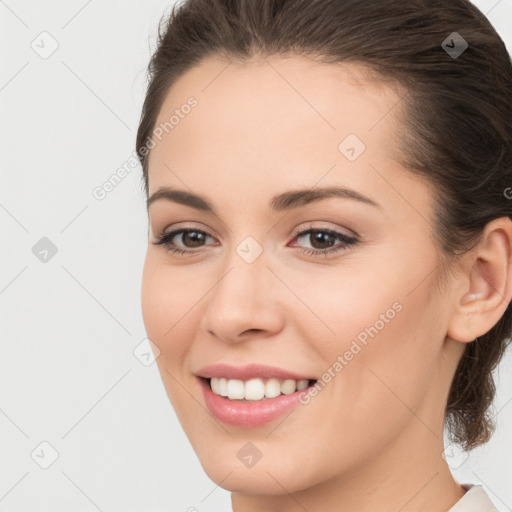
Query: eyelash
x,y
347,242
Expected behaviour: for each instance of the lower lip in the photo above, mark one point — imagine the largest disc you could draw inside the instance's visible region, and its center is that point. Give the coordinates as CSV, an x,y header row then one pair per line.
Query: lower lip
x,y
247,414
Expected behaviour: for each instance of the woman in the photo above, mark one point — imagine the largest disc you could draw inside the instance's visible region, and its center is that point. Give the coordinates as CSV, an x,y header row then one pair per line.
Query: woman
x,y
328,274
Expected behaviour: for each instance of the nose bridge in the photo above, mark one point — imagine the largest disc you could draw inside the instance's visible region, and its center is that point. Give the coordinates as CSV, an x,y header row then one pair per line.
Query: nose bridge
x,y
242,299
246,264
242,285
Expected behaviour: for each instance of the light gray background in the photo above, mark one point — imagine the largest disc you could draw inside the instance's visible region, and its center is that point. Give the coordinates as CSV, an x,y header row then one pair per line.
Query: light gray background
x,y
69,326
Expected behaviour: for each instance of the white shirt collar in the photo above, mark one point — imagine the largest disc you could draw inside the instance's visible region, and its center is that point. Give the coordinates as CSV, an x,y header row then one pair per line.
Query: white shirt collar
x,y
475,500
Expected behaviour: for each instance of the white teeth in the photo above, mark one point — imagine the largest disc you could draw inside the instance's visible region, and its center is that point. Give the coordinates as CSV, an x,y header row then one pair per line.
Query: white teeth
x,y
235,389
272,388
214,383
255,389
223,387
288,386
302,384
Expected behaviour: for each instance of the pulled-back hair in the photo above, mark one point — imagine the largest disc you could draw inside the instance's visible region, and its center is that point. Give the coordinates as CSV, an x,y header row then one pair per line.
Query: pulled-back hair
x,y
456,130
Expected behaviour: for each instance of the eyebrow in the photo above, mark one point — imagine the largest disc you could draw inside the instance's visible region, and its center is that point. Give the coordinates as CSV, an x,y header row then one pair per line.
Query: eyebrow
x,y
282,202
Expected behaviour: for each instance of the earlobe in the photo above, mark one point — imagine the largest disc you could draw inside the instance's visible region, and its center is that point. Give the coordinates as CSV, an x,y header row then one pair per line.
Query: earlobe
x,y
486,286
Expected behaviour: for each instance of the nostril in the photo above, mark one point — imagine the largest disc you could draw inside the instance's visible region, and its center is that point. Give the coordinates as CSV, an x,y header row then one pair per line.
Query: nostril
x,y
252,330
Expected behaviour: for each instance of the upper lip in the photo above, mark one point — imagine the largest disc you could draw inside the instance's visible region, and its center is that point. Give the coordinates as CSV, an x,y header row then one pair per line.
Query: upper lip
x,y
250,371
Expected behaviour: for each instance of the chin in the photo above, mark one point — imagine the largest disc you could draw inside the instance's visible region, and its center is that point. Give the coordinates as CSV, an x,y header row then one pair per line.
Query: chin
x,y
263,478
276,470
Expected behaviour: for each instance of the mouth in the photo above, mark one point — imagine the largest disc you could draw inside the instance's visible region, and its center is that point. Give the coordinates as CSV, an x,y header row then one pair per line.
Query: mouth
x,y
253,395
256,389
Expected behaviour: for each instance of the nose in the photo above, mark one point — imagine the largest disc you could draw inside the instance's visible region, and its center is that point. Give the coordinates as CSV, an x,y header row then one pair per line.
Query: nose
x,y
245,302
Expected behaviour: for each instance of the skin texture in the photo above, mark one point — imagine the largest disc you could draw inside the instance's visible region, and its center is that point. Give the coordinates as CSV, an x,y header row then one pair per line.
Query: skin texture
x,y
372,438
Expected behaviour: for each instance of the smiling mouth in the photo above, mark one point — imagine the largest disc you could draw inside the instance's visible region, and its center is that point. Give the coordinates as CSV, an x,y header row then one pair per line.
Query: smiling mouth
x,y
255,390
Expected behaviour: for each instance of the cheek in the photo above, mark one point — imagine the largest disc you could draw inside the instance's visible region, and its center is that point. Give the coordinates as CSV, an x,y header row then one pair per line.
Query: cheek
x,y
167,300
347,306
168,310
165,293
383,345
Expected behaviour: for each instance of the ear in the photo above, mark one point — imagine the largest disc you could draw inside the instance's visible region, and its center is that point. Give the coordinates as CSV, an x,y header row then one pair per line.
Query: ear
x,y
486,285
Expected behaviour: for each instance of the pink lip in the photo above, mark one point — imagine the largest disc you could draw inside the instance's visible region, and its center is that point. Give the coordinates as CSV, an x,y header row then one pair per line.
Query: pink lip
x,y
250,371
247,414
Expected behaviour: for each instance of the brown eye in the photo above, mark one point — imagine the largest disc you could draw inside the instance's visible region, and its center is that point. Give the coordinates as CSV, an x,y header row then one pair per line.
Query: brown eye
x,y
323,241
193,238
190,240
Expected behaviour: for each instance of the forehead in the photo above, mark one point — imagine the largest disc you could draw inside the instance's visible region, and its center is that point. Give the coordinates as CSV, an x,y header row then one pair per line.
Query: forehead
x,y
267,100
279,122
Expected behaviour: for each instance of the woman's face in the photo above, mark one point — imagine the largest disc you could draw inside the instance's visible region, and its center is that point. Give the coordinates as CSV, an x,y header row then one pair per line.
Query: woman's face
x,y
254,301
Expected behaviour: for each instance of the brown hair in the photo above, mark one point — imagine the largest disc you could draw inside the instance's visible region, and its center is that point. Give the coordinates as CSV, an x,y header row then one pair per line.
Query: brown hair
x,y
457,131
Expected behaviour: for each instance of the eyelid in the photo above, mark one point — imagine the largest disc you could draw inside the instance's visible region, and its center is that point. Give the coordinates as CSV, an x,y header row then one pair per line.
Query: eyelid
x,y
191,225
324,226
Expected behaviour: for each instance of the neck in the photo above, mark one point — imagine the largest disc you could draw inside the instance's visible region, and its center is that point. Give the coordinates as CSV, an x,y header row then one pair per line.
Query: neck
x,y
407,475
